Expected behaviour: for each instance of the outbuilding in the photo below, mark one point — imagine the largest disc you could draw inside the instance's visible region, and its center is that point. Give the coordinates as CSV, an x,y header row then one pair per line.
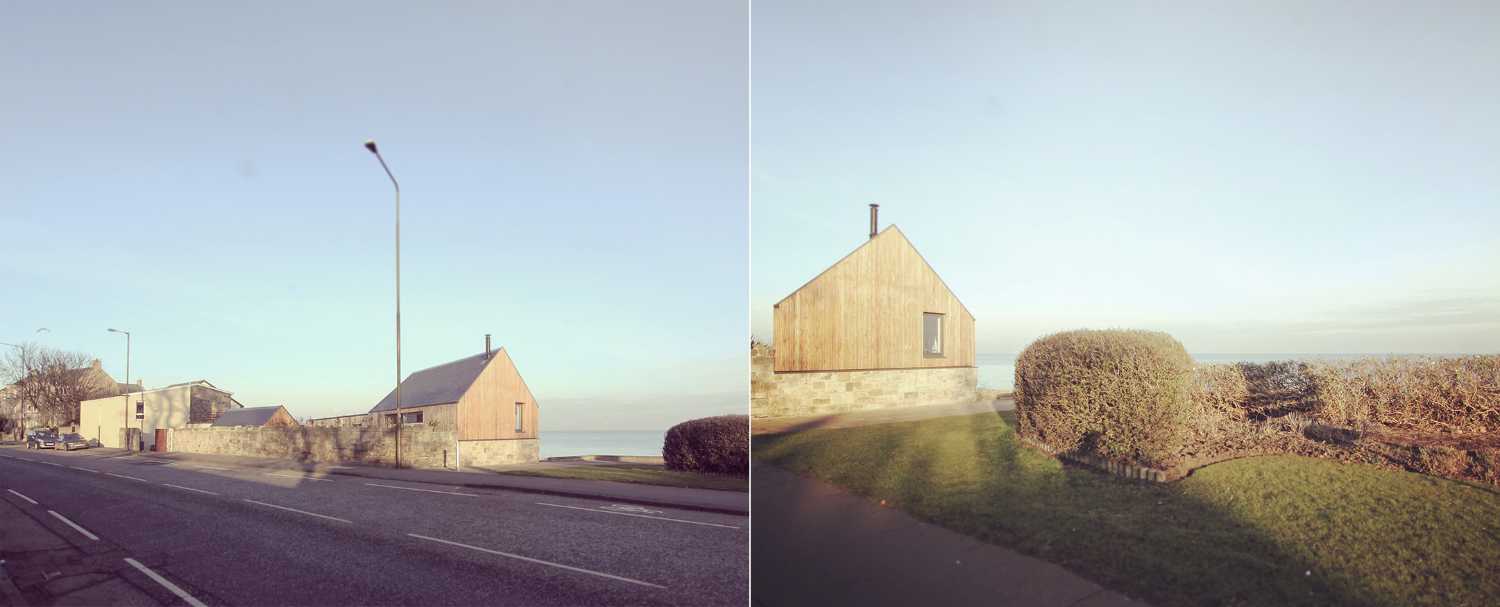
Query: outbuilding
x,y
270,416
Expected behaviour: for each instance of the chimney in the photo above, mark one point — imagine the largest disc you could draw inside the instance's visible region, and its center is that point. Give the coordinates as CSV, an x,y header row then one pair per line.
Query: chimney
x,y
486,346
874,220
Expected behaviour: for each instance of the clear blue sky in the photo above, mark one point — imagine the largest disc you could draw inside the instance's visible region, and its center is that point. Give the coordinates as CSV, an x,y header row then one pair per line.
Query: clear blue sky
x,y
573,177
1249,176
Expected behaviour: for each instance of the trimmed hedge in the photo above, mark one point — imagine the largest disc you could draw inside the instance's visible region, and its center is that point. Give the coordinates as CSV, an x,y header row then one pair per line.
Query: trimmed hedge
x,y
1134,397
1458,395
710,444
1123,396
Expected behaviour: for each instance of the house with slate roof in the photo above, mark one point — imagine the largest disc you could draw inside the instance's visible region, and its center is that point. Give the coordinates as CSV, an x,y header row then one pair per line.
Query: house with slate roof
x,y
481,399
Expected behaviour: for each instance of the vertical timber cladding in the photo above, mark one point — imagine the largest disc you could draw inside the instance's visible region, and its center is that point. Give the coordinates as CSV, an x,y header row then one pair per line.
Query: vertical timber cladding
x,y
865,312
487,409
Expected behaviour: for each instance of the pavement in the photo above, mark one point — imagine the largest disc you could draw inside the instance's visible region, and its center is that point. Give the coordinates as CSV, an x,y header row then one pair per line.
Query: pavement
x,y
707,500
817,544
781,425
213,533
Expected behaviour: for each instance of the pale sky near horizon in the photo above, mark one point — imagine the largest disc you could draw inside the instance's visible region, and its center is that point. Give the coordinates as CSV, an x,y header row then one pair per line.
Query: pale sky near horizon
x,y
1250,177
573,179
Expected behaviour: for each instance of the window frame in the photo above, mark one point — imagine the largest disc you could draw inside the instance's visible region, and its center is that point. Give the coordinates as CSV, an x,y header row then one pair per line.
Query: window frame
x,y
520,417
941,346
416,418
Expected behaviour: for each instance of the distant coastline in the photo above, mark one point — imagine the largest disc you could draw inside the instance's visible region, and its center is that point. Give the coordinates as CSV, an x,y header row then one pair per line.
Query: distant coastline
x,y
601,442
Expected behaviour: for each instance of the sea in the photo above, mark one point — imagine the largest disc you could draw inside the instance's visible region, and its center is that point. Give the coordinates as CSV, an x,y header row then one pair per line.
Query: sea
x,y
621,442
998,371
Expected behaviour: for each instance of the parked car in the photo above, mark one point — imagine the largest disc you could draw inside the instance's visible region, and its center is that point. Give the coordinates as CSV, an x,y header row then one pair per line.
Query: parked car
x,y
69,442
41,440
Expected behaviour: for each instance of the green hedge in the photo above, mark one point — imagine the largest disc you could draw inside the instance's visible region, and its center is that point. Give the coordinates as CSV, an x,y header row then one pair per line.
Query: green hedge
x,y
1116,394
710,444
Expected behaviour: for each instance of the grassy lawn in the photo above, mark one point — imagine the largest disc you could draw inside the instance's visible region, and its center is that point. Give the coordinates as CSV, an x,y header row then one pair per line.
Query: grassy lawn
x,y
1278,530
639,473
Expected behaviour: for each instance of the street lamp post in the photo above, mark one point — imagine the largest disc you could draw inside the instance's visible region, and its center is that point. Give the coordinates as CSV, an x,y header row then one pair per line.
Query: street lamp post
x,y
370,145
125,421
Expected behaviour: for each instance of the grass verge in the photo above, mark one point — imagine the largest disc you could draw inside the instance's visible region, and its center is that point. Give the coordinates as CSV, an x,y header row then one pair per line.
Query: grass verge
x,y
1275,530
646,474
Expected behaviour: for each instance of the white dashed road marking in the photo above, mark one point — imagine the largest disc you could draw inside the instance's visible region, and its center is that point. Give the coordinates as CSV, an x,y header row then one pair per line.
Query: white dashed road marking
x,y
537,561
74,525
134,478
331,518
84,469
165,583
189,488
422,490
18,494
659,518
306,478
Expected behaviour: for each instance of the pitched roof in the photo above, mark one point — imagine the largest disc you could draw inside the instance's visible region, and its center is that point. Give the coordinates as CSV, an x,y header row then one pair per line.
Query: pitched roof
x,y
882,233
438,385
247,416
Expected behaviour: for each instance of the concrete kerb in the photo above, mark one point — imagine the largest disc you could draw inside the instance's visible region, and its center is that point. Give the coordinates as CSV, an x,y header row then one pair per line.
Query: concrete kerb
x,y
8,591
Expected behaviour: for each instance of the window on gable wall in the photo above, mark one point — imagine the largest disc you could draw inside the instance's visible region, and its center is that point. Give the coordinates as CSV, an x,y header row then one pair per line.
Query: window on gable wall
x,y
932,334
520,417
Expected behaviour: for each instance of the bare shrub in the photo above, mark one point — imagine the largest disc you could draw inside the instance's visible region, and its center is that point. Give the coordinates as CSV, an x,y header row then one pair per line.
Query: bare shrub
x,y
710,444
1120,395
1221,388
1450,395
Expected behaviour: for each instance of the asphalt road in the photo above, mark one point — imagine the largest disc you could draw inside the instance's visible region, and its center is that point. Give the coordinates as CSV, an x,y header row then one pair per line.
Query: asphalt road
x,y
238,536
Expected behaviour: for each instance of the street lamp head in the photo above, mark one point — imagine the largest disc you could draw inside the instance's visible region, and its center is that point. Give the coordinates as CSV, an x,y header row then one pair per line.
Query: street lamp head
x,y
115,331
370,145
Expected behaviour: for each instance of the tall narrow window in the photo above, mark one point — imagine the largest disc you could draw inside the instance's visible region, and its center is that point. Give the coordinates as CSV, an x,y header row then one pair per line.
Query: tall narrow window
x,y
932,334
520,417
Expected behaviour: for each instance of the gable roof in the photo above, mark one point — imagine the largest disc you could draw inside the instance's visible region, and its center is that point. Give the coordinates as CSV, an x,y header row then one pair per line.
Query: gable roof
x,y
881,234
247,416
438,385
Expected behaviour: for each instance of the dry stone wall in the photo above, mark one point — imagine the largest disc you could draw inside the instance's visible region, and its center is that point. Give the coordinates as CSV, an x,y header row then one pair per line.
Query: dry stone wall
x,y
422,446
775,394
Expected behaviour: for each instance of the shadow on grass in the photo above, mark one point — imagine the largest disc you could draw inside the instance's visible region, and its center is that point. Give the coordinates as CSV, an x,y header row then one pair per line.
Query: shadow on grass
x,y
1282,530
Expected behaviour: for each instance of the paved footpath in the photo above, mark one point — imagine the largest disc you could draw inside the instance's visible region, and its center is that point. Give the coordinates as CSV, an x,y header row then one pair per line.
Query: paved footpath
x,y
817,544
780,425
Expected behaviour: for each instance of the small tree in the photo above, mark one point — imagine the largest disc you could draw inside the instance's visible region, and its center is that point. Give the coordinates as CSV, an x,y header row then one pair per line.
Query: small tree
x,y
51,381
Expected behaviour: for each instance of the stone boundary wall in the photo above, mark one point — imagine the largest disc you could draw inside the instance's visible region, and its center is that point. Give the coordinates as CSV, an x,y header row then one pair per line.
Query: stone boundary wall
x,y
422,446
775,394
499,452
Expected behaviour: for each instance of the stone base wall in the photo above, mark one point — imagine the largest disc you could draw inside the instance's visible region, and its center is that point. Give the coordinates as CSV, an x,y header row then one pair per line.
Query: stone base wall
x,y
422,446
775,394
500,452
